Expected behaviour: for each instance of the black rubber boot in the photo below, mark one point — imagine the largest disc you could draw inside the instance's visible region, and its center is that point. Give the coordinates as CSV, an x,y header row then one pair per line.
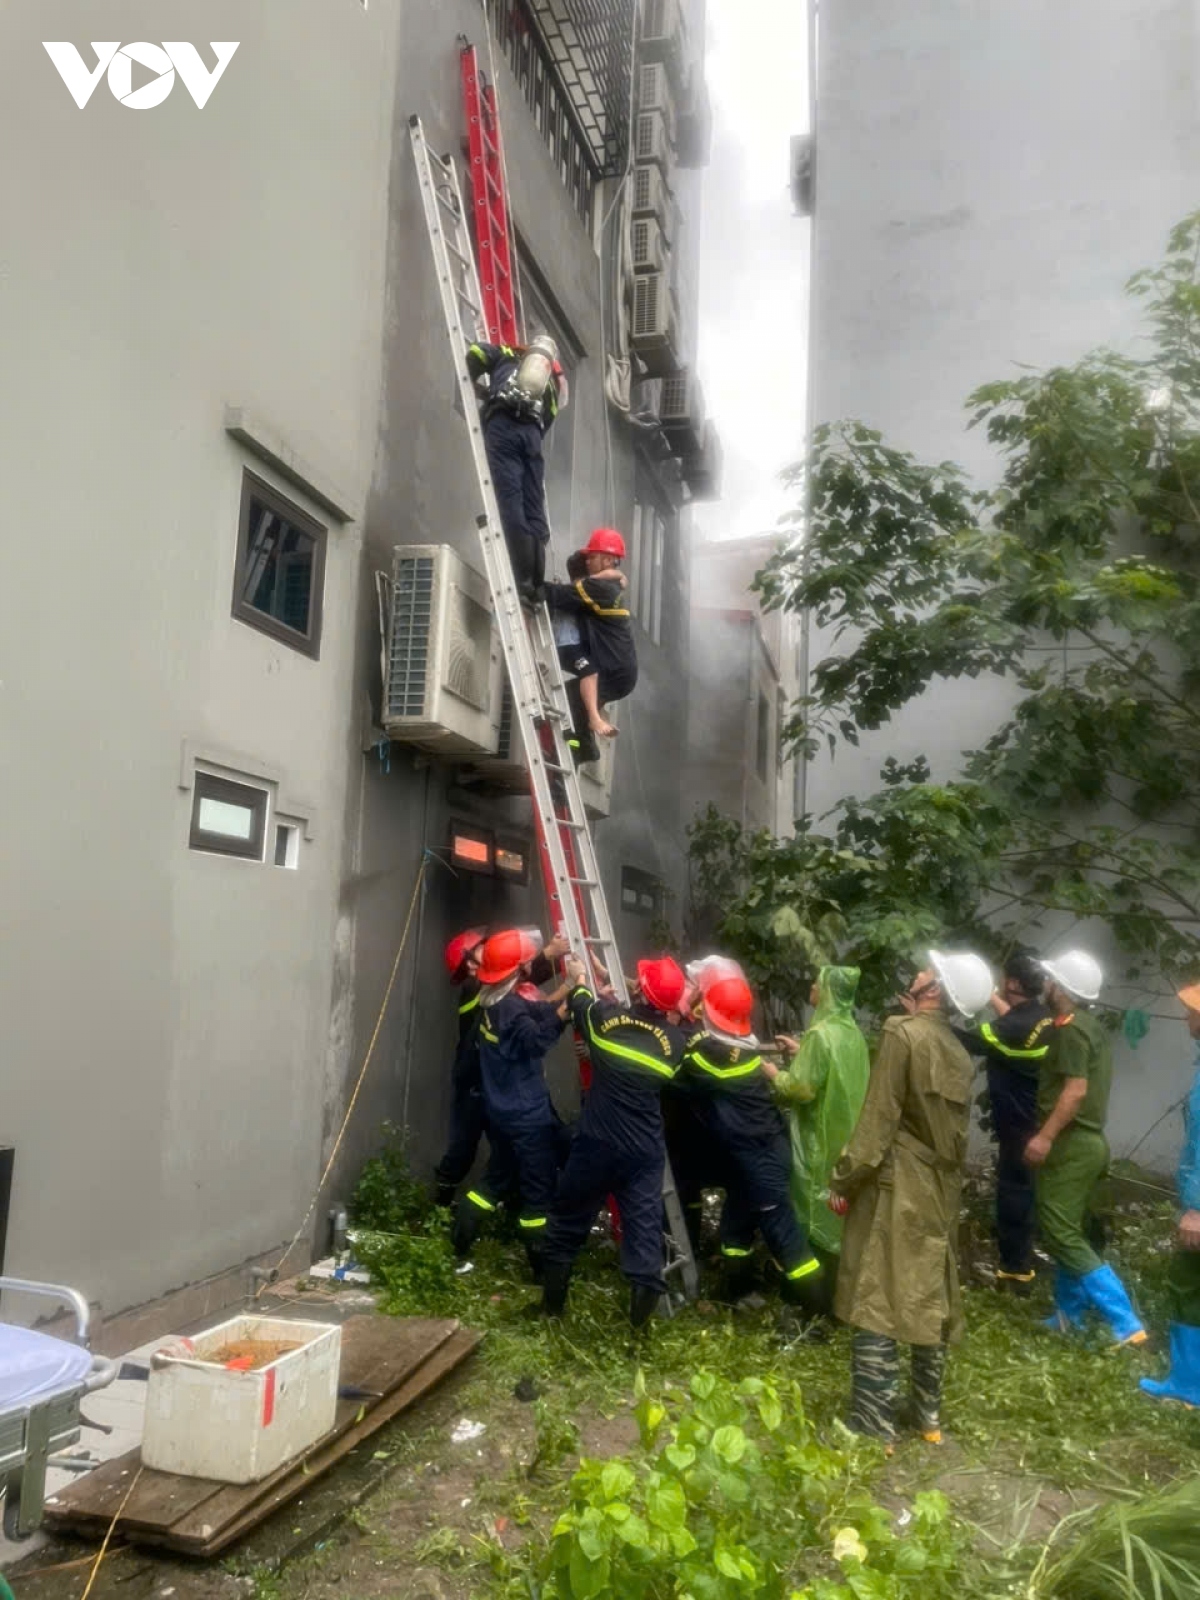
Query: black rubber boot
x,y
467,1226
642,1305
738,1276
556,1280
533,1254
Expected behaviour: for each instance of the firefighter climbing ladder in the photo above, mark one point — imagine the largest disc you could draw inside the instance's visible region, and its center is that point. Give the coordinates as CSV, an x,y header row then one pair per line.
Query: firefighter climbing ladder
x,y
578,908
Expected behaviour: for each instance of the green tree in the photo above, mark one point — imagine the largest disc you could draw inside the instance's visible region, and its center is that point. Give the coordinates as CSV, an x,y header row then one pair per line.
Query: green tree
x,y
1074,579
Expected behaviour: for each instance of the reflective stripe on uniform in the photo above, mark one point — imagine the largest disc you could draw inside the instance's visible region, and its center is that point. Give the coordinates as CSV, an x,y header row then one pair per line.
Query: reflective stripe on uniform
x,y
743,1069
990,1037
468,1006
735,1251
663,1068
804,1270
492,1038
477,1199
598,610
533,1222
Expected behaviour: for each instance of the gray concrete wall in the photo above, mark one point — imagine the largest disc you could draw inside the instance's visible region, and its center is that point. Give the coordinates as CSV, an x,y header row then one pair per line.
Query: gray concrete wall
x,y
165,1012
988,177
182,1031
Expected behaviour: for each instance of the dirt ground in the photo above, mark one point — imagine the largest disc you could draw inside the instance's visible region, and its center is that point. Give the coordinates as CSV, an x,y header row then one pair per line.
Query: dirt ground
x,y
414,1514
402,1516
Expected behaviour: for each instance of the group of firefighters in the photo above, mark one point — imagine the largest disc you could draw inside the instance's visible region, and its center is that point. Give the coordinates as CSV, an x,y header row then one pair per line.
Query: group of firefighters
x,y
850,1172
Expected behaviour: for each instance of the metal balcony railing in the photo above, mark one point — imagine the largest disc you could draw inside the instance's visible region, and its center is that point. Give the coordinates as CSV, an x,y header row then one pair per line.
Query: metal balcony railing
x,y
572,59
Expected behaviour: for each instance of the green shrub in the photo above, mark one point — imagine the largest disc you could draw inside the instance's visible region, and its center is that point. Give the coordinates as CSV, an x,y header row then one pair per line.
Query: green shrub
x,y
733,1496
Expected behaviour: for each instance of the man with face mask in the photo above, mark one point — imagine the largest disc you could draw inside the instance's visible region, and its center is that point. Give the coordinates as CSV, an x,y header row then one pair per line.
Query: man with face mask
x,y
898,1185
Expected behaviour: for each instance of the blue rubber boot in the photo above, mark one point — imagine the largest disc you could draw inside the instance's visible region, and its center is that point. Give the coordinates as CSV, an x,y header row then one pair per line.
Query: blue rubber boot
x,y
1070,1303
1107,1294
1182,1382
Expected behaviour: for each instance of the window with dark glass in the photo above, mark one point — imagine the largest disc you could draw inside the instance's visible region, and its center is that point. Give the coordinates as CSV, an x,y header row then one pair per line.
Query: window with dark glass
x,y
764,736
228,819
641,894
280,577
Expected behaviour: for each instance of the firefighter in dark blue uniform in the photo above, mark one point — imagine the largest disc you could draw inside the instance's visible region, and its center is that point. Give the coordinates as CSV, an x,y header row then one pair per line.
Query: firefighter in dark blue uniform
x,y
523,390
722,1070
517,1025
635,1049
600,660
468,1121
1013,1048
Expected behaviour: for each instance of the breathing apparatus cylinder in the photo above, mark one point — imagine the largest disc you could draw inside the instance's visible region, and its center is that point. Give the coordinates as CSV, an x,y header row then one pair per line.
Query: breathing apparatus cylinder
x,y
537,367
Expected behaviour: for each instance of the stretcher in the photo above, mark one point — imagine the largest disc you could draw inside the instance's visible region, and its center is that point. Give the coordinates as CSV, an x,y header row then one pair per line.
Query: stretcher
x,y
42,1383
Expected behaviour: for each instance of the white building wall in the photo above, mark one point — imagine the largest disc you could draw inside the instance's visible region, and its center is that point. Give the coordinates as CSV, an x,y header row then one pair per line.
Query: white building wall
x,y
988,176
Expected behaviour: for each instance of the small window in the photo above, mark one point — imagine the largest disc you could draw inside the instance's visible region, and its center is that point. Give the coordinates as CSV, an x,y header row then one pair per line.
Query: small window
x,y
512,860
764,736
228,819
280,578
287,846
641,894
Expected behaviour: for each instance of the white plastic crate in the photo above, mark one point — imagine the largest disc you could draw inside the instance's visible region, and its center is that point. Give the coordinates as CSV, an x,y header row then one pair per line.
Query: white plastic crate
x,y
205,1421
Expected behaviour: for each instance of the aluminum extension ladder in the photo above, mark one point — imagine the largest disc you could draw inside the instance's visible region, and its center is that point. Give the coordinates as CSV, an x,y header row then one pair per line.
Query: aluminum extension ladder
x,y
578,907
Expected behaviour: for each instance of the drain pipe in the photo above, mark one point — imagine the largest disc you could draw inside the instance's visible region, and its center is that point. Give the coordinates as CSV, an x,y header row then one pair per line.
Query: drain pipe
x,y
805,664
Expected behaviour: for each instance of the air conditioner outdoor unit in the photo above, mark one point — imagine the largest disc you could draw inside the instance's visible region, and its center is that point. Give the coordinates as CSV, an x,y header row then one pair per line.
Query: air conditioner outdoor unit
x,y
654,334
650,249
445,668
652,197
505,765
646,399
662,34
507,769
682,411
652,139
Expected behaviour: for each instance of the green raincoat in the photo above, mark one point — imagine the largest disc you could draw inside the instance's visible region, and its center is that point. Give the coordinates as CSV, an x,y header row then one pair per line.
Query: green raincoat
x,y
823,1092
902,1174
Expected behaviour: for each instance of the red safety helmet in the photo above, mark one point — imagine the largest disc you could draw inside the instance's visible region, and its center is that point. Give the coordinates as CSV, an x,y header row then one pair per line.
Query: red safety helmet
x,y
506,953
729,1006
460,947
605,542
662,983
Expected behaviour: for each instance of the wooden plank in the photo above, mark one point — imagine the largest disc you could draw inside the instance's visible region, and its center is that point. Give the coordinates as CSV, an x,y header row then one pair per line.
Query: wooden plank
x,y
439,1366
378,1353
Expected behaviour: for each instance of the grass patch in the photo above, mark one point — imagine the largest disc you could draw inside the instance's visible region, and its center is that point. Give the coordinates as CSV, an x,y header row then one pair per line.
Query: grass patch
x,y
1022,1405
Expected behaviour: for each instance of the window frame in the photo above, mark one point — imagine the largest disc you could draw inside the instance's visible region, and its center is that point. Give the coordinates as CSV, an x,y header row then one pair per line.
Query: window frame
x,y
210,786
308,644
762,753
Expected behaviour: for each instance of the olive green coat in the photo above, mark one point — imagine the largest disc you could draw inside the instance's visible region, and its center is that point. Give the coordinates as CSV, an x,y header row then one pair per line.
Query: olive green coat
x,y
902,1173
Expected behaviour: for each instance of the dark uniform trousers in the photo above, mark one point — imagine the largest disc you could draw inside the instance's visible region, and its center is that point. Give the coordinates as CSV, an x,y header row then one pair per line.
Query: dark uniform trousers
x,y
528,1158
514,451
758,1199
467,1122
1014,1112
633,1175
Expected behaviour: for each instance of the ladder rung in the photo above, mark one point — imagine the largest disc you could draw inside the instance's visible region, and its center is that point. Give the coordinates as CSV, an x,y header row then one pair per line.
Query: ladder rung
x,y
584,883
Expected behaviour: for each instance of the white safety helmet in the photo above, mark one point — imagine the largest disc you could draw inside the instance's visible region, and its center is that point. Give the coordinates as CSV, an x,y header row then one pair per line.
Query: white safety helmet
x,y
966,980
711,969
1076,973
